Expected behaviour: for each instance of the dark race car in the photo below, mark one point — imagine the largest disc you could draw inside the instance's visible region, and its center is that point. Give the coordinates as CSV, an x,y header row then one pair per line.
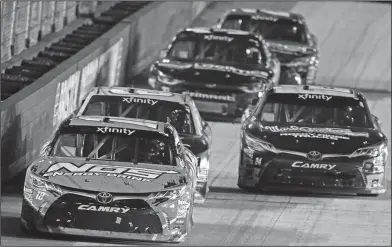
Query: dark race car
x,y
312,138
221,69
112,178
177,109
288,37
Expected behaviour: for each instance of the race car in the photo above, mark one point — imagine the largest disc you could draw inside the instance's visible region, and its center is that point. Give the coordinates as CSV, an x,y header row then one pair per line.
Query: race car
x,y
221,69
177,109
112,178
288,37
312,139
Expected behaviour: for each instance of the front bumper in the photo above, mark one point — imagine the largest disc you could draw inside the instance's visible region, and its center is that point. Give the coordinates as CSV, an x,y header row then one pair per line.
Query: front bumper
x,y
60,214
277,173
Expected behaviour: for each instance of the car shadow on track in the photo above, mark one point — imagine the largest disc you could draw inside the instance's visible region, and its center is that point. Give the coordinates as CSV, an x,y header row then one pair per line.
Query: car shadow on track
x,y
235,190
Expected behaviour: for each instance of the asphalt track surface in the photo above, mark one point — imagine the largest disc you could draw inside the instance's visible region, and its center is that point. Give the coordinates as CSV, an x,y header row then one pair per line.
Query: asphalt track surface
x,y
232,217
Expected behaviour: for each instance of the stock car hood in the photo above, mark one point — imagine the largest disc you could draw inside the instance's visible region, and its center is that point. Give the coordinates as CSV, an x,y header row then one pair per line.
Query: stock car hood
x,y
305,138
291,48
213,73
196,143
116,177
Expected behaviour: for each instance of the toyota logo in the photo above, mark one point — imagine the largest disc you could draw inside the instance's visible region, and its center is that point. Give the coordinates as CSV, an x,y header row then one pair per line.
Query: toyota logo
x,y
104,198
314,155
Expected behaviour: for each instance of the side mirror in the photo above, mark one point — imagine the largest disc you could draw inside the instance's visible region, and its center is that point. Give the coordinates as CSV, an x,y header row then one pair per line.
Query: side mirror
x,y
314,37
376,120
254,101
203,123
162,53
218,21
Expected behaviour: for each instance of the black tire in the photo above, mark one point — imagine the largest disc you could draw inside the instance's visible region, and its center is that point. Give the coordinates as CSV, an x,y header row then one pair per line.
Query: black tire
x,y
29,228
247,188
367,195
28,231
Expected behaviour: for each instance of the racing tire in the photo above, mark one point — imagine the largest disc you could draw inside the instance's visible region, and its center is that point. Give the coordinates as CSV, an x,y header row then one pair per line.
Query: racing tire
x,y
368,195
248,188
28,231
29,228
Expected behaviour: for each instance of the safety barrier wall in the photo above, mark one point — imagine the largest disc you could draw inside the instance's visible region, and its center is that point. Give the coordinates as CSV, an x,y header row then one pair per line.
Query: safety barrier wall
x,y
24,23
29,117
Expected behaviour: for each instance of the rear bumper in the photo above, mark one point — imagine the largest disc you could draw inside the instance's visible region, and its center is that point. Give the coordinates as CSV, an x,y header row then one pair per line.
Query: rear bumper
x,y
308,73
213,103
221,110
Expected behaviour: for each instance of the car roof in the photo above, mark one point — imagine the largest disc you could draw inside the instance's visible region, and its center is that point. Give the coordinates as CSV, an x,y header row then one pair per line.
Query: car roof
x,y
315,89
220,31
139,92
270,13
118,122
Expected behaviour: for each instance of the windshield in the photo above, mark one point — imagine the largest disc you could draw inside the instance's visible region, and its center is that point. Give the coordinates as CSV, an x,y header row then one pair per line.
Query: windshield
x,y
132,107
116,144
314,109
270,28
217,49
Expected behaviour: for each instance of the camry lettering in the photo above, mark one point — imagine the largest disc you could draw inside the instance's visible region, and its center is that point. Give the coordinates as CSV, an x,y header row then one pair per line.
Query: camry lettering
x,y
212,96
300,164
314,96
105,130
231,69
296,129
103,209
220,38
140,100
134,173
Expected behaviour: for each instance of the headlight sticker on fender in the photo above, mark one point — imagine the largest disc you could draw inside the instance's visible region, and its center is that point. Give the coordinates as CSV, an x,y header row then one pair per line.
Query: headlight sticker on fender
x,y
133,173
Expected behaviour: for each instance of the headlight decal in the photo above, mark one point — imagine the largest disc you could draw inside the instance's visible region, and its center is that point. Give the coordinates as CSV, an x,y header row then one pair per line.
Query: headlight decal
x,y
42,186
258,145
372,151
168,194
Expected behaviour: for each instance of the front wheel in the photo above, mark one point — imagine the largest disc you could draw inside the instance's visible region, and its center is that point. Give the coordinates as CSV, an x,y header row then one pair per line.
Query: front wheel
x,y
368,195
246,188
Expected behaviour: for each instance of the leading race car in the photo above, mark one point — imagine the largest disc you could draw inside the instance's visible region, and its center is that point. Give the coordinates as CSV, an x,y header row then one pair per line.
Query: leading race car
x,y
315,139
180,110
113,178
221,69
288,37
